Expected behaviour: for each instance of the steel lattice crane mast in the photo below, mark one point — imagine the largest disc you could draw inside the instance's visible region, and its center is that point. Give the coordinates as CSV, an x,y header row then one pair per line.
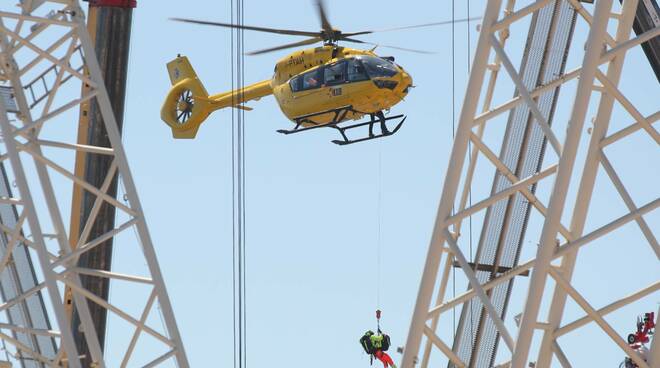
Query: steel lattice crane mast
x,y
46,54
595,81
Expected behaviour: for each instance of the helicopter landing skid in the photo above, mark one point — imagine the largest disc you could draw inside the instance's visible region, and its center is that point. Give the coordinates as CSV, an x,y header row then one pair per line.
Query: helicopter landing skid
x,y
339,115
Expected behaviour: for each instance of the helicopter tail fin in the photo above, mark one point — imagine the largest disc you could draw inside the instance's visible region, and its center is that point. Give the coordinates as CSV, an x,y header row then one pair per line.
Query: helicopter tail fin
x,y
187,103
180,69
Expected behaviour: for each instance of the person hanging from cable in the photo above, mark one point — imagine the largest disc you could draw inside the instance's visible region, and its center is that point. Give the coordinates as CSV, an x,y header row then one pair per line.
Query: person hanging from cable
x,y
376,345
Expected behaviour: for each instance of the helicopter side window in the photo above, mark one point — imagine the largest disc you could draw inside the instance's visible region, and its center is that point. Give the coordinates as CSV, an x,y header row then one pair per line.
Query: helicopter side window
x,y
335,74
356,71
311,80
295,84
377,67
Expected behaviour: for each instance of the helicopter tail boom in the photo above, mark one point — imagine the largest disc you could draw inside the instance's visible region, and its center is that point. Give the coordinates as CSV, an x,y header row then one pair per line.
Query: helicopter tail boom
x,y
239,96
188,103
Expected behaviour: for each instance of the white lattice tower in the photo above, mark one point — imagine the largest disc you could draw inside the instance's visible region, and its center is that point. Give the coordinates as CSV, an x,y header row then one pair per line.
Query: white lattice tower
x,y
595,82
46,56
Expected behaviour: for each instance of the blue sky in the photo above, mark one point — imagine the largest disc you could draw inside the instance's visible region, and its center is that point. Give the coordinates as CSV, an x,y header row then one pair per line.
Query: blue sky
x,y
312,207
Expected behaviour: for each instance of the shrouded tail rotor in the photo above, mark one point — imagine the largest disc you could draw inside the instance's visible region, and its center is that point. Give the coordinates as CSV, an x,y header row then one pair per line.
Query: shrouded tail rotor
x,y
187,103
184,106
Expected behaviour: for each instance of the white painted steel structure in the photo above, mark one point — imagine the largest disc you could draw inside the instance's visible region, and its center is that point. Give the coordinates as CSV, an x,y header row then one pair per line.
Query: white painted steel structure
x,y
44,52
597,81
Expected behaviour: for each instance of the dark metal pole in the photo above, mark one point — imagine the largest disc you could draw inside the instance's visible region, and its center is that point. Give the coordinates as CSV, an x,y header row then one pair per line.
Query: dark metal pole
x,y
110,27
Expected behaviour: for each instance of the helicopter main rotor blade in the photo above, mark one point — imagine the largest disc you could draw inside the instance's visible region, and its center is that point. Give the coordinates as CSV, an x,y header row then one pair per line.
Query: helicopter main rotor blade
x,y
410,27
289,45
391,47
325,23
250,28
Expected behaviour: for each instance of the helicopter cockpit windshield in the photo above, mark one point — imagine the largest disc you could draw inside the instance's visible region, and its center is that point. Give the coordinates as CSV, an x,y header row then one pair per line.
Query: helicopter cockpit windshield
x,y
377,67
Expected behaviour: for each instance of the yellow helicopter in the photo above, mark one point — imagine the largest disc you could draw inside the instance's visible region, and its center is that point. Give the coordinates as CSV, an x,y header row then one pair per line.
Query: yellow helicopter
x,y
325,86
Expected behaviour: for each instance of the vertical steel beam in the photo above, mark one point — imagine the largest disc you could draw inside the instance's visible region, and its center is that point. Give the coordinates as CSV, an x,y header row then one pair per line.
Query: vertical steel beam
x,y
549,232
111,27
449,260
131,194
87,329
587,183
35,227
24,136
452,179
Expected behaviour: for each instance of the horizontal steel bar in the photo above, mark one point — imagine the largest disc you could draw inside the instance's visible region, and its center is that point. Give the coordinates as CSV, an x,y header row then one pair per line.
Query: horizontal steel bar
x,y
46,55
531,197
120,313
464,297
517,15
109,275
73,256
625,46
33,331
630,129
26,294
54,46
443,347
89,187
605,229
611,88
161,359
11,201
501,195
77,147
25,349
36,124
490,268
37,19
608,309
487,115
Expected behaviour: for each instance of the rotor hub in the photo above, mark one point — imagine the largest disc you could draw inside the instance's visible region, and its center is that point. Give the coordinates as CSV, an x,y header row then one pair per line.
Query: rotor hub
x,y
331,37
182,105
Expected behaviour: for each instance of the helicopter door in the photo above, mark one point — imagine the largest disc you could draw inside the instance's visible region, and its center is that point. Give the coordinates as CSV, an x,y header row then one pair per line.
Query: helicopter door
x,y
356,71
334,76
345,81
307,93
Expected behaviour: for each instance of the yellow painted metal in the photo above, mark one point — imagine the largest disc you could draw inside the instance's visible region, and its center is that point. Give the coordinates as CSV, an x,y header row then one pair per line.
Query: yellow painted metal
x,y
79,166
363,96
184,79
79,172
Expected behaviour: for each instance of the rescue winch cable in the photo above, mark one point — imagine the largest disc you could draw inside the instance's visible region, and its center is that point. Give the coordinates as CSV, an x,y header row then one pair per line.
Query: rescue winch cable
x,y
450,257
379,220
453,120
233,189
472,336
238,188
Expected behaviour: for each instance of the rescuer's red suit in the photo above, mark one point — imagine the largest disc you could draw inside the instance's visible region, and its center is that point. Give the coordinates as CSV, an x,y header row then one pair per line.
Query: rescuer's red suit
x,y
383,357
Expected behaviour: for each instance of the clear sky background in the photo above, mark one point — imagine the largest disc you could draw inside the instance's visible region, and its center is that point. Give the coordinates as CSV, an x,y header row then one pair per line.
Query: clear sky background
x,y
312,207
